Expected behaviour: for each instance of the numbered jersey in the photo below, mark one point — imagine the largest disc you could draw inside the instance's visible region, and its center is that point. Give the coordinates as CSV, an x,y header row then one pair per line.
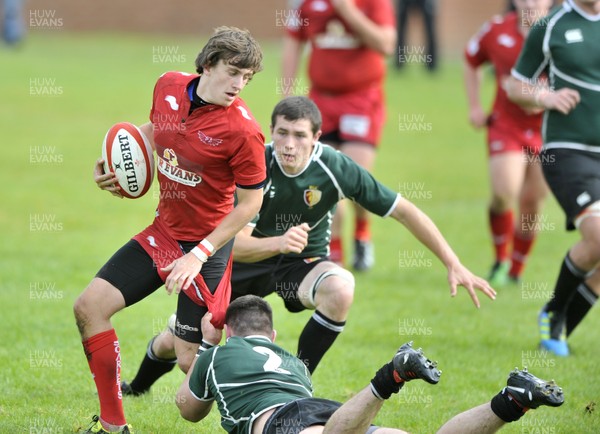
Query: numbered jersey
x,y
248,376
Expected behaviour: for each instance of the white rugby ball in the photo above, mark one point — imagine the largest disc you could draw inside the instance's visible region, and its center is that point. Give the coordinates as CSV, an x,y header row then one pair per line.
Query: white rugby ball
x,y
127,153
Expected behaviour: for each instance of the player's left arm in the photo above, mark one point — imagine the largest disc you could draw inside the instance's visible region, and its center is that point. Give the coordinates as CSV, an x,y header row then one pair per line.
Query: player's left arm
x,y
185,269
525,88
190,407
381,38
423,228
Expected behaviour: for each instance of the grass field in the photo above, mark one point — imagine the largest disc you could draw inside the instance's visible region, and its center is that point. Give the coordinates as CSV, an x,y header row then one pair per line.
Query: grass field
x,y
61,92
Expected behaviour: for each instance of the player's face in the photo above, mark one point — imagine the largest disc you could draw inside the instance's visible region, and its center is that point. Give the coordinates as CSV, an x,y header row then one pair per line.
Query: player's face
x,y
532,10
294,142
222,83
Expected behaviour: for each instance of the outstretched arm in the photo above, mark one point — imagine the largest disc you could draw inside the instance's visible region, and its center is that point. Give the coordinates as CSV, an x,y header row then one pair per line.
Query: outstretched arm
x,y
423,228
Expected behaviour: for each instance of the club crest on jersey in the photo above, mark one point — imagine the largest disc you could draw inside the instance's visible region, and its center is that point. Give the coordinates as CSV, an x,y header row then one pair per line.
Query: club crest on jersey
x,y
168,166
211,141
312,195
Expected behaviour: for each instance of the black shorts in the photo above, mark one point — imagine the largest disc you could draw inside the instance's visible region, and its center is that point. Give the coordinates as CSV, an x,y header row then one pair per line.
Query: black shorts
x,y
277,274
574,178
301,414
133,272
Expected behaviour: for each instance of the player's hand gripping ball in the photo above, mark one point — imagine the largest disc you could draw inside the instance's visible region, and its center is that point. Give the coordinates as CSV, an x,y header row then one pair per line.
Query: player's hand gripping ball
x,y
127,153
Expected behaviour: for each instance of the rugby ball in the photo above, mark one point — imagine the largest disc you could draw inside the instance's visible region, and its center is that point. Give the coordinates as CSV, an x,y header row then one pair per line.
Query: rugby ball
x,y
127,153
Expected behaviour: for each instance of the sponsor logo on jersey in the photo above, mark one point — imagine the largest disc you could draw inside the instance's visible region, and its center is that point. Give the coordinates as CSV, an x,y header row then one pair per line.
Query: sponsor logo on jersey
x,y
172,102
335,37
168,166
211,141
318,5
244,112
506,40
312,195
573,35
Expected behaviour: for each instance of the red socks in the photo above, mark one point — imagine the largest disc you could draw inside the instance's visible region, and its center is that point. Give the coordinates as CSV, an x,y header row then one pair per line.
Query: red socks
x,y
502,227
521,248
336,252
362,230
503,232
104,357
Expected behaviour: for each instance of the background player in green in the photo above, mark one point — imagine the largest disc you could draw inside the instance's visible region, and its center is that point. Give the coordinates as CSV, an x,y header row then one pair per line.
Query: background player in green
x,y
566,44
286,249
271,392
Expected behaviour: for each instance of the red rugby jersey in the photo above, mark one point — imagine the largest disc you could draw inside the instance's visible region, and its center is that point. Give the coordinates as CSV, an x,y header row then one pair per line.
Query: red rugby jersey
x,y
201,157
339,62
499,42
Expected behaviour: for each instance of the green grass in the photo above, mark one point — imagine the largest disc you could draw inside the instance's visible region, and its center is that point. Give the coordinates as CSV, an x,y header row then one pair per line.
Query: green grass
x,y
58,229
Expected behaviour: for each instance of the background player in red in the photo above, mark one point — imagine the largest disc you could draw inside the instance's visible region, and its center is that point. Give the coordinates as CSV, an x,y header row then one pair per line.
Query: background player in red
x,y
207,144
349,40
514,139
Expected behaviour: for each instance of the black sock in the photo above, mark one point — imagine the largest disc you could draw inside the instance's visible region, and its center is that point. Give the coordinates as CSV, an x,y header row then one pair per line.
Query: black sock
x,y
505,407
150,370
581,303
384,383
318,335
568,280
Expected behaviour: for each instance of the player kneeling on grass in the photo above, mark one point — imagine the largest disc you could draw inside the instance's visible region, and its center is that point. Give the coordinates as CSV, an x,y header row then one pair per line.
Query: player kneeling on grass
x,y
285,249
272,391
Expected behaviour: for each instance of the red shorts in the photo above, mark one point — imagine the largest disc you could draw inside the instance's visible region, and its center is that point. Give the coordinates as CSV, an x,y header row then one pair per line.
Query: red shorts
x,y
355,116
507,138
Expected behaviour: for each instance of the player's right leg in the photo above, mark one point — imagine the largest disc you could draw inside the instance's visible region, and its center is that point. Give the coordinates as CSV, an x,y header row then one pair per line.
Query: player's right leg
x,y
356,415
531,199
573,178
126,278
507,172
582,301
523,392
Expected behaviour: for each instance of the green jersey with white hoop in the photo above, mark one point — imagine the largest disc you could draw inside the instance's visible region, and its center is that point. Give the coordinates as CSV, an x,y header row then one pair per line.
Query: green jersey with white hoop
x,y
566,43
247,377
311,196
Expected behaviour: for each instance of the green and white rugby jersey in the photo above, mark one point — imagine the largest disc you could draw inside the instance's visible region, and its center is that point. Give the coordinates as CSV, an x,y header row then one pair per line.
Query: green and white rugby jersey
x,y
248,376
567,44
311,196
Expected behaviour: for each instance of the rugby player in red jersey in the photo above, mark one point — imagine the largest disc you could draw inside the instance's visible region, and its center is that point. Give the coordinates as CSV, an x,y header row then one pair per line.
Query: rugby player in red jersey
x,y
514,139
208,146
